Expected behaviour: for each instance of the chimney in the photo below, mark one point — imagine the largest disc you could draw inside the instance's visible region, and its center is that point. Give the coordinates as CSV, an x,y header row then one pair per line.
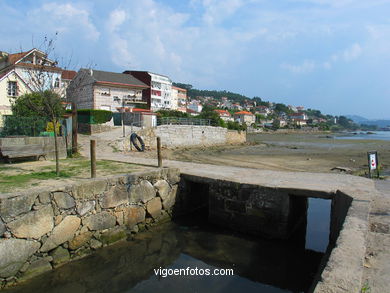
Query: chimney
x,y
91,71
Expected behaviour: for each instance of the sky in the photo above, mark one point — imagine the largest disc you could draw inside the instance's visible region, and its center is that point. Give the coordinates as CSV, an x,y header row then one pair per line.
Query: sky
x,y
330,55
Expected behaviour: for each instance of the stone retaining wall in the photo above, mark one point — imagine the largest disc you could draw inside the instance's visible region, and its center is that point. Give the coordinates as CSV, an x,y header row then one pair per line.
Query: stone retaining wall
x,y
189,135
43,229
47,142
85,128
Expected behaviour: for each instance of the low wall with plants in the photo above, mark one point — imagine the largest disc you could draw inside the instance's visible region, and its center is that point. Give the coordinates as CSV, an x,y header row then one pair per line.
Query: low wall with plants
x,y
43,229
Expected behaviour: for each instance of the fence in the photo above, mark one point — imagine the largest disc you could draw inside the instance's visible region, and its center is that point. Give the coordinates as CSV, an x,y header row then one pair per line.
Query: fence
x,y
26,126
183,121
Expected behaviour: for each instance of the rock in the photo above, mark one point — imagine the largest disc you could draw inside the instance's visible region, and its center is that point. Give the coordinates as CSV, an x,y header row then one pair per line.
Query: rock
x,y
153,207
170,200
58,219
100,221
95,244
36,268
14,206
112,235
133,215
2,228
119,217
62,233
114,197
14,253
80,240
44,197
143,192
60,255
64,200
163,188
34,224
7,235
173,175
84,207
88,190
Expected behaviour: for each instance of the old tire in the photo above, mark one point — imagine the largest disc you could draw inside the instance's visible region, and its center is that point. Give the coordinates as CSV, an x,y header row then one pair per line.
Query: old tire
x,y
137,142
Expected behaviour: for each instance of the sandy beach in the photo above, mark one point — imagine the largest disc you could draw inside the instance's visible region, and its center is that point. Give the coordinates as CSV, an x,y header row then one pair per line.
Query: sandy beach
x,y
315,152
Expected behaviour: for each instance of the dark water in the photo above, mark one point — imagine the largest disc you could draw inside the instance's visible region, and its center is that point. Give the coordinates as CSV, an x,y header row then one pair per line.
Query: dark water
x,y
257,265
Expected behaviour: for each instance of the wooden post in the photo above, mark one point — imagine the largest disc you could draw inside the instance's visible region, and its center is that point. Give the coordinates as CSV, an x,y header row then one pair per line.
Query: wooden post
x,y
74,129
159,159
93,158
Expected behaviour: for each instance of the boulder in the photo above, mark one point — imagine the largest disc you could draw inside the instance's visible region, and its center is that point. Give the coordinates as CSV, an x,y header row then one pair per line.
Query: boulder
x,y
80,240
14,253
100,221
34,224
114,197
84,207
60,255
36,268
62,233
64,200
14,206
142,191
163,188
133,215
153,207
170,200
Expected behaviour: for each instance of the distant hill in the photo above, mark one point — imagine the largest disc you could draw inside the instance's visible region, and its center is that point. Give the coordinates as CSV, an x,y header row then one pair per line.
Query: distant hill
x,y
362,120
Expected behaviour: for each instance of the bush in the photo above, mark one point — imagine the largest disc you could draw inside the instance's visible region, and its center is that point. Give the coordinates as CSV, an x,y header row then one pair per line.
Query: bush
x,y
91,116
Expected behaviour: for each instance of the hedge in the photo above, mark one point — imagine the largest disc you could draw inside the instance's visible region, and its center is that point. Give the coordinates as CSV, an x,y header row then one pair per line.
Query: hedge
x,y
93,116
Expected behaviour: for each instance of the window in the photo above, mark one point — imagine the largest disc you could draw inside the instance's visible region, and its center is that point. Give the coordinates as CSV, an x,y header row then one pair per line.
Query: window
x,y
57,83
12,88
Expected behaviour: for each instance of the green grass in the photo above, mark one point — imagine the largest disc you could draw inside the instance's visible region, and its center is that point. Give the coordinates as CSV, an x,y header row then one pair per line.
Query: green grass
x,y
70,168
8,182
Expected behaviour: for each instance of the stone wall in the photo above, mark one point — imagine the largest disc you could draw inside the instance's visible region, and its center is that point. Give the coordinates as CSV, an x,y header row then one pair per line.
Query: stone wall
x,y
46,142
189,135
85,128
43,229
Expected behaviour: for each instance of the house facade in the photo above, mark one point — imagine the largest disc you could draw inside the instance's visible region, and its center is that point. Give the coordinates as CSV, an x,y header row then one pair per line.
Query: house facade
x,y
179,99
224,115
95,89
158,95
25,72
244,117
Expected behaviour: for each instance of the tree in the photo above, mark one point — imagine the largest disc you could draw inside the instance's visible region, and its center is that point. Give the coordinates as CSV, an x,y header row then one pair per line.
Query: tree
x,y
43,104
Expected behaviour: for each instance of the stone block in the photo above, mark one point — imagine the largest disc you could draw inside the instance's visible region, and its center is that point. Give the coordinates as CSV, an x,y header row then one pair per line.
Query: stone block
x,y
34,224
95,244
2,228
14,253
163,188
143,192
44,197
64,200
133,215
88,190
14,206
60,256
84,207
62,233
113,235
100,221
80,240
36,268
170,200
114,197
153,207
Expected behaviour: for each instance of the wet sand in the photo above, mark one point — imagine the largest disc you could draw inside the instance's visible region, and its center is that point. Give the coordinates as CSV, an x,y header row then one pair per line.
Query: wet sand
x,y
290,152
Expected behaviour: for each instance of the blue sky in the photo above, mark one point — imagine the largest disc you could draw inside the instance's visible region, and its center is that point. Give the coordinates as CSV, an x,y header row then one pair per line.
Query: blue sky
x,y
331,55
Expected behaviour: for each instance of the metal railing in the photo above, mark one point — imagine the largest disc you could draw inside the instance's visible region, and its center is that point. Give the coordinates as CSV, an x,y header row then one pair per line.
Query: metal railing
x,y
183,121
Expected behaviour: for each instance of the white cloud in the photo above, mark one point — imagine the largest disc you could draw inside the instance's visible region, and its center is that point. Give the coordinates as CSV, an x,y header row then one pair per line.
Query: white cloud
x,y
306,67
216,10
116,18
352,52
65,18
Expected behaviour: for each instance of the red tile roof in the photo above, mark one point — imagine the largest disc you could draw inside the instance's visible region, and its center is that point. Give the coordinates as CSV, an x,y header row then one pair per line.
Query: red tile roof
x,y
68,74
243,113
13,58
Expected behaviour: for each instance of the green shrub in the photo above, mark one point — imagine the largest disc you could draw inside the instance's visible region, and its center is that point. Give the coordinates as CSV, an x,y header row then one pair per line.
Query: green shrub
x,y
91,116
